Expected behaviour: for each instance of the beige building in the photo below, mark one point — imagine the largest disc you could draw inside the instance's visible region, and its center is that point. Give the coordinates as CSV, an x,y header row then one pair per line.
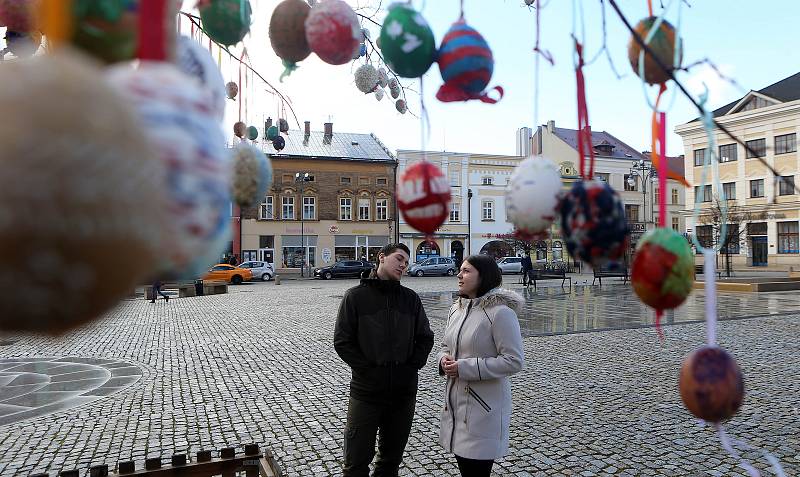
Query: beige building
x,y
768,121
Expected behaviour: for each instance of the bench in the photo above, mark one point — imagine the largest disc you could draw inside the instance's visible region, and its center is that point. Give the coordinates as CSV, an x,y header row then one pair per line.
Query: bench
x,y
549,274
610,272
214,287
188,289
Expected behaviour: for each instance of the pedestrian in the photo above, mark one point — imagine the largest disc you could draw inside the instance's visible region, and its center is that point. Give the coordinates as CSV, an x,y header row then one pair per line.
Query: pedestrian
x,y
383,334
527,270
232,260
482,347
157,289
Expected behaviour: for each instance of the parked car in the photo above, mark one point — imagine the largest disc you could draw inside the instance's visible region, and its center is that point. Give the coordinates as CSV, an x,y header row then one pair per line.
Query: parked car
x,y
510,264
345,268
228,273
260,270
433,266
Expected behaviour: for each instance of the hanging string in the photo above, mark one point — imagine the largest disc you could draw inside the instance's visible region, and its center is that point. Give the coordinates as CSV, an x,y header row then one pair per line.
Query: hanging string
x,y
241,93
584,130
546,54
650,7
462,10
152,31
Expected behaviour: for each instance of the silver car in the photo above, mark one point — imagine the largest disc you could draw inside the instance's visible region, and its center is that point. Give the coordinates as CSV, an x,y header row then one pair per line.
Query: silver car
x,y
261,270
510,264
433,266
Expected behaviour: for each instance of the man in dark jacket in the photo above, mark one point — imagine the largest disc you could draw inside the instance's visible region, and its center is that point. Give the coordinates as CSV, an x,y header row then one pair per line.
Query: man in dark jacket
x,y
527,268
383,334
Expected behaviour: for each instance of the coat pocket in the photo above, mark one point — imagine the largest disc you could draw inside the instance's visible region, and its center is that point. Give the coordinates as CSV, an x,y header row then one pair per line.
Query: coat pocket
x,y
484,412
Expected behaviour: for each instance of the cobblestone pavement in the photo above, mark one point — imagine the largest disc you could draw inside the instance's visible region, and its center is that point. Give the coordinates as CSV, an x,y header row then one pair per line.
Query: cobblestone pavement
x,y
258,365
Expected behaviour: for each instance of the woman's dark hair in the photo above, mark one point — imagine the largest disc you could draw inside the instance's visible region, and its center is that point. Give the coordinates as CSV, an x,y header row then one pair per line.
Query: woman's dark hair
x,y
488,272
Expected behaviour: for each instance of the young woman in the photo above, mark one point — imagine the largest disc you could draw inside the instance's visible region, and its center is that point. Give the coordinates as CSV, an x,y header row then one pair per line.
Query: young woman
x,y
482,348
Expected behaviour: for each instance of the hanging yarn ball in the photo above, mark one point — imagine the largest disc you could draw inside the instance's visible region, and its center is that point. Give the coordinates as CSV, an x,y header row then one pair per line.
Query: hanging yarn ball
x,y
287,33
662,273
273,133
407,42
190,143
252,133
333,32
383,77
252,175
532,197
379,94
279,143
225,21
593,223
662,45
231,89
423,196
466,64
18,15
401,107
195,61
239,129
108,30
366,77
23,45
711,384
283,125
82,191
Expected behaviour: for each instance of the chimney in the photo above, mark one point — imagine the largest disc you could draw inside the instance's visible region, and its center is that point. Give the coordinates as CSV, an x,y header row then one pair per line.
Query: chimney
x,y
268,123
551,126
328,130
308,128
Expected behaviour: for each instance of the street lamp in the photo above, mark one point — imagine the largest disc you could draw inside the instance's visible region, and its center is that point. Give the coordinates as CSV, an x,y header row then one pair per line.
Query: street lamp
x,y
646,173
302,178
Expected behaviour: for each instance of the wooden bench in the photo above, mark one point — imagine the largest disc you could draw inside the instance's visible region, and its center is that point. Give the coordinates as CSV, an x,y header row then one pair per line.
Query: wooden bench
x,y
610,272
549,274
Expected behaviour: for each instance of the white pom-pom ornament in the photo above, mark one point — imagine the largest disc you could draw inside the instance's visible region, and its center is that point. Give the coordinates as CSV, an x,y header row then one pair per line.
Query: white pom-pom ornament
x,y
366,77
532,196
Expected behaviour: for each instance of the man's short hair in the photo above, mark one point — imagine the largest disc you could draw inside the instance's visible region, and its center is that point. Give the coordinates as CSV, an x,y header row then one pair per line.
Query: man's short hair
x,y
391,248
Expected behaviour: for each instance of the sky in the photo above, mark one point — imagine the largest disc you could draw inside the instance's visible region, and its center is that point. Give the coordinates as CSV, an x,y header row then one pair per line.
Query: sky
x,y
754,43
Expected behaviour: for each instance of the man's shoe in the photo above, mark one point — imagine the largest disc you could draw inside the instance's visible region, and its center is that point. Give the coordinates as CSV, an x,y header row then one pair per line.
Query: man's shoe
x,y
152,301
166,298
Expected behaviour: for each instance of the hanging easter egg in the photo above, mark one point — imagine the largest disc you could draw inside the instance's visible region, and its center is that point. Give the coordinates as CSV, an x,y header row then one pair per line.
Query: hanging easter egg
x,y
82,190
662,44
333,32
189,141
401,107
662,273
225,21
195,61
532,197
272,133
366,78
108,30
407,42
379,94
466,63
279,143
283,125
394,88
23,45
252,175
287,33
383,77
252,133
231,89
711,384
423,197
593,223
17,15
239,129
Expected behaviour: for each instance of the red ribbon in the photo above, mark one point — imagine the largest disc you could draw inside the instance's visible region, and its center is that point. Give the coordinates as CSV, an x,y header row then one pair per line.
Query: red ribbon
x,y
152,30
449,92
584,130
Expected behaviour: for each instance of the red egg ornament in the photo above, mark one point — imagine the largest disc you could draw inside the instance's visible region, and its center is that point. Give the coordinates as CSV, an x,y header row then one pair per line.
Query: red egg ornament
x,y
711,384
423,197
333,32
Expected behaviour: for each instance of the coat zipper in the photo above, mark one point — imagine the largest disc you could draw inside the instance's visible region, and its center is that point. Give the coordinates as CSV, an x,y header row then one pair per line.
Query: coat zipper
x,y
450,392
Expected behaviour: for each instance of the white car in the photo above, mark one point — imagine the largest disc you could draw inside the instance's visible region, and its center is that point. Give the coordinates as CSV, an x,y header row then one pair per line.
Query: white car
x,y
509,264
260,270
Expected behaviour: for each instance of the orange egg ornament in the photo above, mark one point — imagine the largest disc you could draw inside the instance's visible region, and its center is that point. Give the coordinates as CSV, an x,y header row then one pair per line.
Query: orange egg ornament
x,y
711,384
662,44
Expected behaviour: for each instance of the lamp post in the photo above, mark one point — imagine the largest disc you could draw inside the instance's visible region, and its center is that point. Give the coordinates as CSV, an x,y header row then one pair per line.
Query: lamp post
x,y
301,178
646,173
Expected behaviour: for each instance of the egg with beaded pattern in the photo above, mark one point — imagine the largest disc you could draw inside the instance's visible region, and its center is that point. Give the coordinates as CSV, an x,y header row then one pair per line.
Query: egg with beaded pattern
x,y
532,196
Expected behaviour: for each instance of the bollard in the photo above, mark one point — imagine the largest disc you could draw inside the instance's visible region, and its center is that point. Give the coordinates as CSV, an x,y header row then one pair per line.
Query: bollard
x,y
277,279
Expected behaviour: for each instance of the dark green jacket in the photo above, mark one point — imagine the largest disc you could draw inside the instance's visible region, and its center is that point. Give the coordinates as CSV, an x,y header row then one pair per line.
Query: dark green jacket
x,y
382,332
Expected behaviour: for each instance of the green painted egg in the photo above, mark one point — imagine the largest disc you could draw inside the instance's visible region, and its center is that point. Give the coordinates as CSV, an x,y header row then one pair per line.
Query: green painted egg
x,y
407,42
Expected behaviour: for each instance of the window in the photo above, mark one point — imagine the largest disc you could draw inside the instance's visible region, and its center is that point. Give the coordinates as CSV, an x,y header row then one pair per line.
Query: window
x,y
309,208
455,212
487,180
757,228
345,208
628,186
727,153
785,143
786,185
632,213
705,196
363,209
603,176
704,236
729,189
344,180
287,210
381,181
455,177
731,244
381,209
699,157
676,224
363,181
487,206
267,209
757,188
674,196
758,146
788,237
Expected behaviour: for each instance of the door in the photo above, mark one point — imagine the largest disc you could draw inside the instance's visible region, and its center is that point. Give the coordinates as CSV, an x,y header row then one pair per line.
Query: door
x,y
759,245
457,252
266,255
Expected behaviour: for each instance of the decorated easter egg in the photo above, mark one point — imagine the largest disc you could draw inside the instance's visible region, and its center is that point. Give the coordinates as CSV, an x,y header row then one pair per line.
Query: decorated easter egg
x,y
231,89
423,196
272,133
18,15
239,129
662,45
466,64
711,384
662,273
252,175
83,190
593,223
279,143
407,42
532,196
333,32
195,61
283,125
225,21
400,106
287,32
107,30
252,133
366,78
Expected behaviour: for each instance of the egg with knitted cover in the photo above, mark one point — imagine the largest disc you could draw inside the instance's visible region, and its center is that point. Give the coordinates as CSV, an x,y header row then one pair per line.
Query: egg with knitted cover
x,y
466,64
279,143
195,61
333,32
423,196
107,29
532,196
272,133
407,42
239,129
662,273
287,32
225,21
252,175
663,47
231,89
711,384
252,133
283,125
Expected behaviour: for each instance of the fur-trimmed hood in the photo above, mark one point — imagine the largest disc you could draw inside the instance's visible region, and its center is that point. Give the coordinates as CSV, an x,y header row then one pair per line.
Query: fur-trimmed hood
x,y
495,296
